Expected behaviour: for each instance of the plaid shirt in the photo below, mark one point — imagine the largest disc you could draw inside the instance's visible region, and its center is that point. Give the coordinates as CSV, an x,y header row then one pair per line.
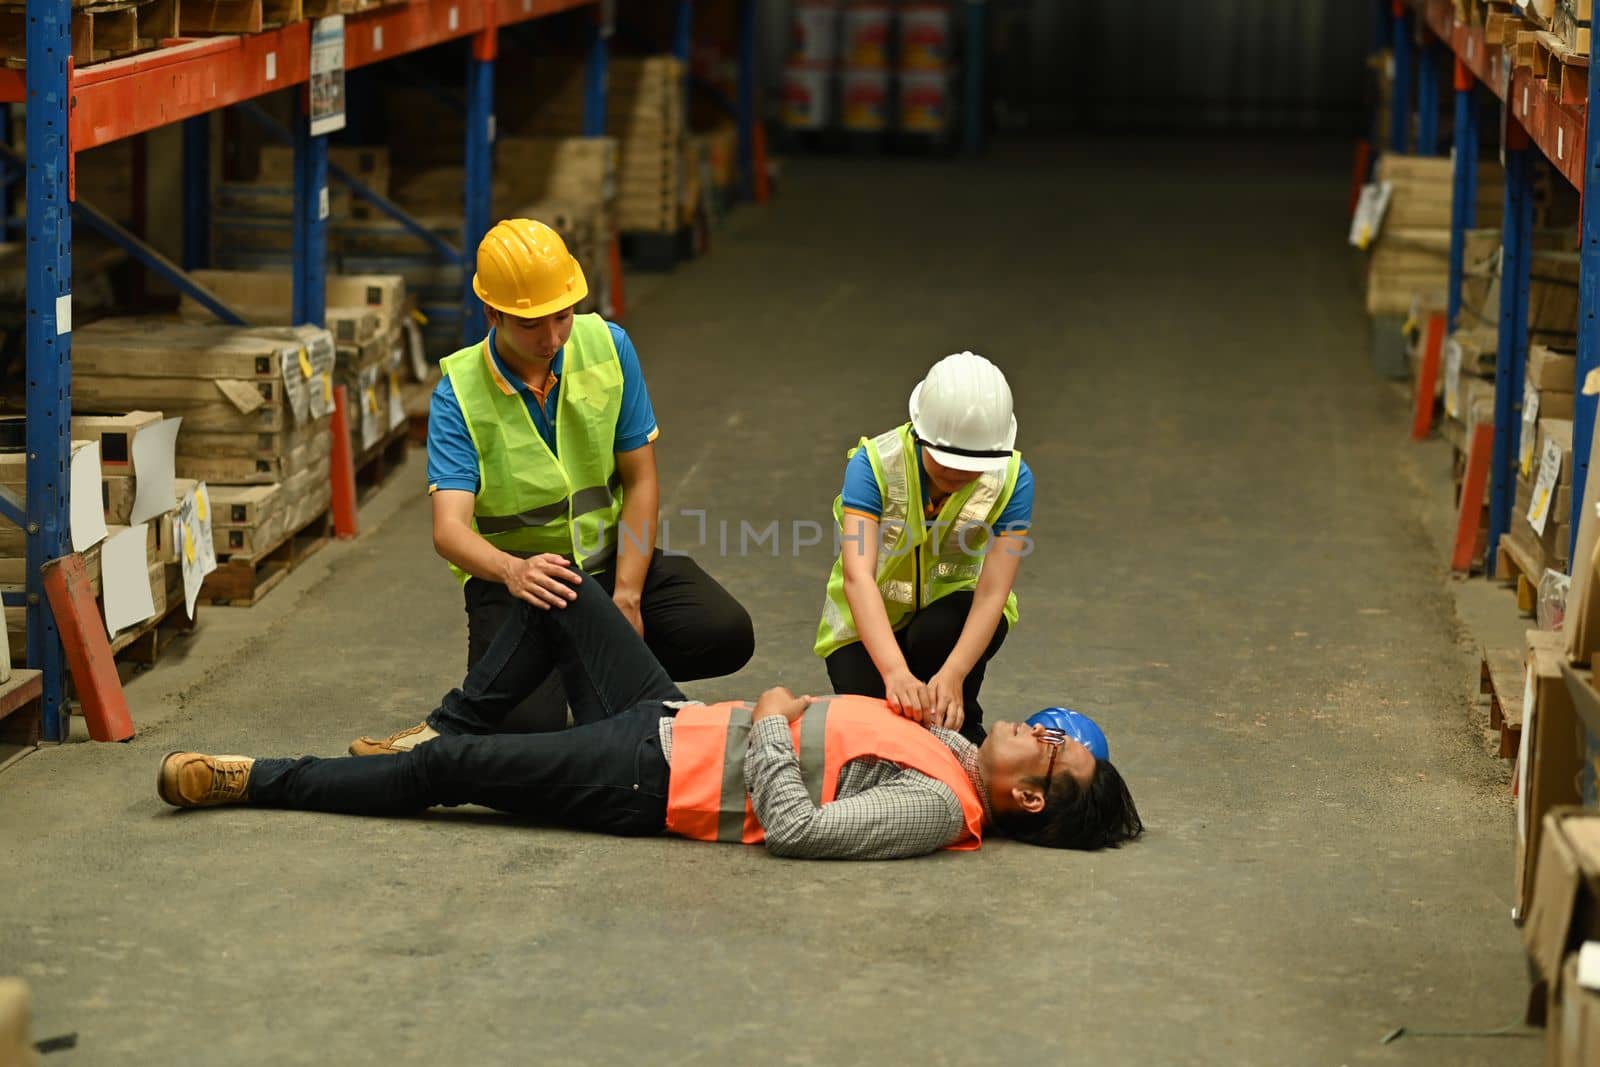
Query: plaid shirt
x,y
882,811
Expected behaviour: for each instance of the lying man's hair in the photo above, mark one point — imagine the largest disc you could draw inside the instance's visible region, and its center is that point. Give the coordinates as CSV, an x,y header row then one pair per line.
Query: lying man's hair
x,y
1101,816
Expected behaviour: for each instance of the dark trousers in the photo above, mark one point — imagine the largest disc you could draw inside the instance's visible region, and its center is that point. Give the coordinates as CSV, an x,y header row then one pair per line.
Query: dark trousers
x,y
693,626
926,643
607,774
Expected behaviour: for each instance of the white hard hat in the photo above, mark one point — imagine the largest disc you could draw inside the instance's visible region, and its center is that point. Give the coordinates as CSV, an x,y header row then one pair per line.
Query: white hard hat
x,y
962,412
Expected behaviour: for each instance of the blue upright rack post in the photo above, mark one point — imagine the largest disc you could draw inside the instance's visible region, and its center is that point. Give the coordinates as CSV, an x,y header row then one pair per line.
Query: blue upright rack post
x,y
1464,201
594,75
479,175
1400,102
1588,303
310,224
1428,96
49,334
1515,275
197,192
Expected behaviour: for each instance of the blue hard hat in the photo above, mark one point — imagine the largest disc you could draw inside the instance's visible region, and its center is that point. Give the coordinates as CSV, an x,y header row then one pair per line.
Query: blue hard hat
x,y
1075,725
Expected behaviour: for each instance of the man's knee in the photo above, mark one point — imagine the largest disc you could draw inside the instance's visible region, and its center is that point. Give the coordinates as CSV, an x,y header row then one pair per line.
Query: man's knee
x,y
728,639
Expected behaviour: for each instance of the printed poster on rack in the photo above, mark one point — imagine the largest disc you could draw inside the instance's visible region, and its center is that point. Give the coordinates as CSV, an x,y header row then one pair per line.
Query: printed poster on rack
x,y
327,75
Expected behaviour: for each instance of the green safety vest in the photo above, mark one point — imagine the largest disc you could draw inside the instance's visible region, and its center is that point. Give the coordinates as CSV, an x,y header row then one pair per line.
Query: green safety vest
x,y
912,572
530,501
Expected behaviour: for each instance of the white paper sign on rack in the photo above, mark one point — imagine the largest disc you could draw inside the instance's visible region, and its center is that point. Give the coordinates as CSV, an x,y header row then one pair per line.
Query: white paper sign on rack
x,y
1544,490
1452,378
327,75
1370,211
1530,428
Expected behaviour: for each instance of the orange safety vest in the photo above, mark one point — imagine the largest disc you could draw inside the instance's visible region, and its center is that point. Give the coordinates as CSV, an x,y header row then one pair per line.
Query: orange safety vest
x,y
706,798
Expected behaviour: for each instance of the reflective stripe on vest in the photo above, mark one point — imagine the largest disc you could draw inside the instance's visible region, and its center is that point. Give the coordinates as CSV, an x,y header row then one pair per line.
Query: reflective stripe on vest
x,y
531,499
951,548
706,796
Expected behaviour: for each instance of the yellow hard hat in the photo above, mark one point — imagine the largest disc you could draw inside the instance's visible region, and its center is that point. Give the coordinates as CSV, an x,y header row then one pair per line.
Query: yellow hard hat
x,y
524,269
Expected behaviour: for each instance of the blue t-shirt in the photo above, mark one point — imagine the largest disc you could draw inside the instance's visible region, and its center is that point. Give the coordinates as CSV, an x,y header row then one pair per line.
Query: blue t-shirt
x,y
861,493
452,457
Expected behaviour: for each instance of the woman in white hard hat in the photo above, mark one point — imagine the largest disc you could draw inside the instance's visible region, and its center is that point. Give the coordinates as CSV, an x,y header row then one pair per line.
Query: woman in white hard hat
x,y
933,522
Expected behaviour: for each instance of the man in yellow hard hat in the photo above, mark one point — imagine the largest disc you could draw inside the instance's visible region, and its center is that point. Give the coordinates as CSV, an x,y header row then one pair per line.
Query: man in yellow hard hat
x,y
541,465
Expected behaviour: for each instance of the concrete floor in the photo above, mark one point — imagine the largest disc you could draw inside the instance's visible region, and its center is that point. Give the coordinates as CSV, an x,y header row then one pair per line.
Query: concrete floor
x,y
1239,571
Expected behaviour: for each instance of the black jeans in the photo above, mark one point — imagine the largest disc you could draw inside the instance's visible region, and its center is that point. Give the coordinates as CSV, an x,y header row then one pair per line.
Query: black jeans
x,y
607,774
926,642
693,626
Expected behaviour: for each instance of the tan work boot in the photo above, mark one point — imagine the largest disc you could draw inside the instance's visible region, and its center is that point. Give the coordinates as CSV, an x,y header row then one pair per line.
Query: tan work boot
x,y
195,780
395,743
16,1047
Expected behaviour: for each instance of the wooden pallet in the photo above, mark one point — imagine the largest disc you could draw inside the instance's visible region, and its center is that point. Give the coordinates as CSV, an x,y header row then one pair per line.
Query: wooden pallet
x,y
100,31
242,582
201,17
1501,678
21,712
144,644
375,465
1512,565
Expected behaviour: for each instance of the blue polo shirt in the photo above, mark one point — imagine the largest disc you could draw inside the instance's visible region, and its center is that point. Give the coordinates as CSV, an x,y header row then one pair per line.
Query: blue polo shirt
x,y
861,494
452,457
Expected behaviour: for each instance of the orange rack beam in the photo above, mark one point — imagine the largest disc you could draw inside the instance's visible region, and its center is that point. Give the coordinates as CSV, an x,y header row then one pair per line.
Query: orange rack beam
x,y
190,77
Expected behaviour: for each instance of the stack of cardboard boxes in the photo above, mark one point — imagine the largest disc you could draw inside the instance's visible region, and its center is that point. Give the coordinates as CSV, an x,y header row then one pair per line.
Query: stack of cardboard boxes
x,y
1411,248
569,183
1541,530
1558,846
645,112
367,316
114,434
256,402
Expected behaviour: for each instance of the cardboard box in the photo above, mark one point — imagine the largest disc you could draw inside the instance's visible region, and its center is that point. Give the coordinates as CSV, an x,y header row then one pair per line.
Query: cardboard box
x,y
1582,625
116,494
115,434
1552,369
1572,1021
233,505
167,348
267,297
1550,756
352,325
1565,907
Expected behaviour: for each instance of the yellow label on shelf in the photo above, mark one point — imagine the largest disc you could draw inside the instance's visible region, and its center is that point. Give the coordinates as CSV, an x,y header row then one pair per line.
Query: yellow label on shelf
x,y
305,364
422,320
372,400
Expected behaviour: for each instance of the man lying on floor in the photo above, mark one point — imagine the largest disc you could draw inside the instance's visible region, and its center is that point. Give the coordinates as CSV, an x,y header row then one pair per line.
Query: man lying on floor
x,y
820,778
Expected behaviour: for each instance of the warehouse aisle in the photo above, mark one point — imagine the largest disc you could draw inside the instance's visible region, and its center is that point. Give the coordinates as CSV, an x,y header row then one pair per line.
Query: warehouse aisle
x,y
1232,573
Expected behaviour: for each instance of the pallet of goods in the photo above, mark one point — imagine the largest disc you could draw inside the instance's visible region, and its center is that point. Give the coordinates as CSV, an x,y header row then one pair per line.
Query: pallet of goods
x,y
256,402
100,31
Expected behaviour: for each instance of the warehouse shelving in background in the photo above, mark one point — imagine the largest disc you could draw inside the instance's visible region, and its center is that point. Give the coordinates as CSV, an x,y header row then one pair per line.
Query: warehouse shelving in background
x,y
1547,103
71,110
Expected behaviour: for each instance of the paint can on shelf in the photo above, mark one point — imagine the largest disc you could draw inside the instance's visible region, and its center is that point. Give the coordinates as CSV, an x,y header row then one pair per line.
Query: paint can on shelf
x,y
807,97
865,95
814,33
925,40
927,104
866,35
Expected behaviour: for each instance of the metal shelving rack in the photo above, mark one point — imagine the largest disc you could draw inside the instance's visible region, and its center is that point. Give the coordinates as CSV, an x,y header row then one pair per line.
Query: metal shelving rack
x,y
69,111
1555,123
